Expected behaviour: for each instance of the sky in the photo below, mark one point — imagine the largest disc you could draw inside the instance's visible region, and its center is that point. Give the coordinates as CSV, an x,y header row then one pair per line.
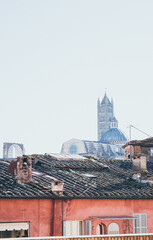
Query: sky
x,y
58,57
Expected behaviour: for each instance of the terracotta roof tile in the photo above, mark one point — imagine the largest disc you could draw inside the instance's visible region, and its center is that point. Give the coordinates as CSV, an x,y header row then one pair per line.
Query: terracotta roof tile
x,y
82,179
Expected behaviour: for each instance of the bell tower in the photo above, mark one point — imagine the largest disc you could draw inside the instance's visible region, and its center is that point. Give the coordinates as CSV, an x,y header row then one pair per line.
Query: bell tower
x,y
105,116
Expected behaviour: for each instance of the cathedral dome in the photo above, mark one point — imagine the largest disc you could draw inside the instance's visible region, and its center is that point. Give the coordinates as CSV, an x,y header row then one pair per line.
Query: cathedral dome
x,y
113,135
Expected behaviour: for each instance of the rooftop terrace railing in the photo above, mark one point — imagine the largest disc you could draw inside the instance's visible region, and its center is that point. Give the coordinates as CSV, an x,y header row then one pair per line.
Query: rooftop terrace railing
x,y
145,236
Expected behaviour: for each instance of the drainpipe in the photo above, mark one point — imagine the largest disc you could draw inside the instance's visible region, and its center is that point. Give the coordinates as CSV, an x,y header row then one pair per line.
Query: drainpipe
x,y
62,217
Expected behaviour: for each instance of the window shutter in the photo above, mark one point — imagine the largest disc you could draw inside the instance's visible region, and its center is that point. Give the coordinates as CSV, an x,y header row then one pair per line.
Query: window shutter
x,y
136,224
140,224
144,223
72,228
67,228
88,227
64,228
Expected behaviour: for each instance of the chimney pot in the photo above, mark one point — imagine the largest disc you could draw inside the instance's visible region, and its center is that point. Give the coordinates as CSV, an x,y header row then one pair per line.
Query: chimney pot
x,y
57,187
139,163
24,170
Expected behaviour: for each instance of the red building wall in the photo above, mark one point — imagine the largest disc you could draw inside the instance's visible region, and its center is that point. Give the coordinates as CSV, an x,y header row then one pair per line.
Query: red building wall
x,y
38,212
82,209
46,215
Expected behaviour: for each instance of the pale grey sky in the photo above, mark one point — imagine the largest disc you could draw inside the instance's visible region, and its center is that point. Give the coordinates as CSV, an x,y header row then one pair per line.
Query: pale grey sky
x,y
58,57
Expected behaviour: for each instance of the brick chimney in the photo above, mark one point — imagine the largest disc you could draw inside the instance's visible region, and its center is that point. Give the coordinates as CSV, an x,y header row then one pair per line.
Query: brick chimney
x,y
139,163
24,170
57,187
131,151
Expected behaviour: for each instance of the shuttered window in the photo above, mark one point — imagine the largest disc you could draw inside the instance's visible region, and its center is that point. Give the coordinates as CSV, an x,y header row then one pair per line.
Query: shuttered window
x,y
72,228
140,223
88,227
113,228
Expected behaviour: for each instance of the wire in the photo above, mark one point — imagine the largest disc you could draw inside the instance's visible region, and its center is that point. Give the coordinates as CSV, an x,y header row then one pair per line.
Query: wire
x,y
140,131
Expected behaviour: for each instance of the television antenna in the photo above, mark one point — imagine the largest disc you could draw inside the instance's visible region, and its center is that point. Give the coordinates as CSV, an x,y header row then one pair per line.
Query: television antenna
x,y
130,131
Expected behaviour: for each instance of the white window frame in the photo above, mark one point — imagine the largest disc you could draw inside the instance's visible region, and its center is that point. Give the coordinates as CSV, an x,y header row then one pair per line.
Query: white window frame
x,y
68,228
88,227
138,229
114,230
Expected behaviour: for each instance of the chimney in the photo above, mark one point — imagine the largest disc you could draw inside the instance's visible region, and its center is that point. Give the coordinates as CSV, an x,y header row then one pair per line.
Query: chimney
x,y
139,163
24,170
130,151
57,187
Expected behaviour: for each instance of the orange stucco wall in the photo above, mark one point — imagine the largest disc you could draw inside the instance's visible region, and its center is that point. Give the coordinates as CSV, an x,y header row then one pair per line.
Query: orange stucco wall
x,y
38,212
82,209
45,216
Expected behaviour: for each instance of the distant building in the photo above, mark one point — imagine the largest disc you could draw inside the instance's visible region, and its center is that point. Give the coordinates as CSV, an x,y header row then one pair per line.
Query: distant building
x,y
13,150
105,116
93,148
110,138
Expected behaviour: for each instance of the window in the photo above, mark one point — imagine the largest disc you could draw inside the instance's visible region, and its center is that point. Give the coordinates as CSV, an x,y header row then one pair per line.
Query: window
x,y
73,149
140,223
13,234
13,230
72,228
100,229
113,228
88,227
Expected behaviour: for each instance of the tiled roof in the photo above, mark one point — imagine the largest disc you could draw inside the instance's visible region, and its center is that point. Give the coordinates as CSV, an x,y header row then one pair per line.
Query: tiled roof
x,y
82,179
148,142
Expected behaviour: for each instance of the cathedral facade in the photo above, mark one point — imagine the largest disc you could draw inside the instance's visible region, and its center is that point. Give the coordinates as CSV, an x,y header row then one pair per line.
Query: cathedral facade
x,y
110,138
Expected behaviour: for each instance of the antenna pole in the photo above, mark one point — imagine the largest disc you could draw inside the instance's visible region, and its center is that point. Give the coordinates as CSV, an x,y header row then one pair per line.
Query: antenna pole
x,y
130,140
130,132
140,130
